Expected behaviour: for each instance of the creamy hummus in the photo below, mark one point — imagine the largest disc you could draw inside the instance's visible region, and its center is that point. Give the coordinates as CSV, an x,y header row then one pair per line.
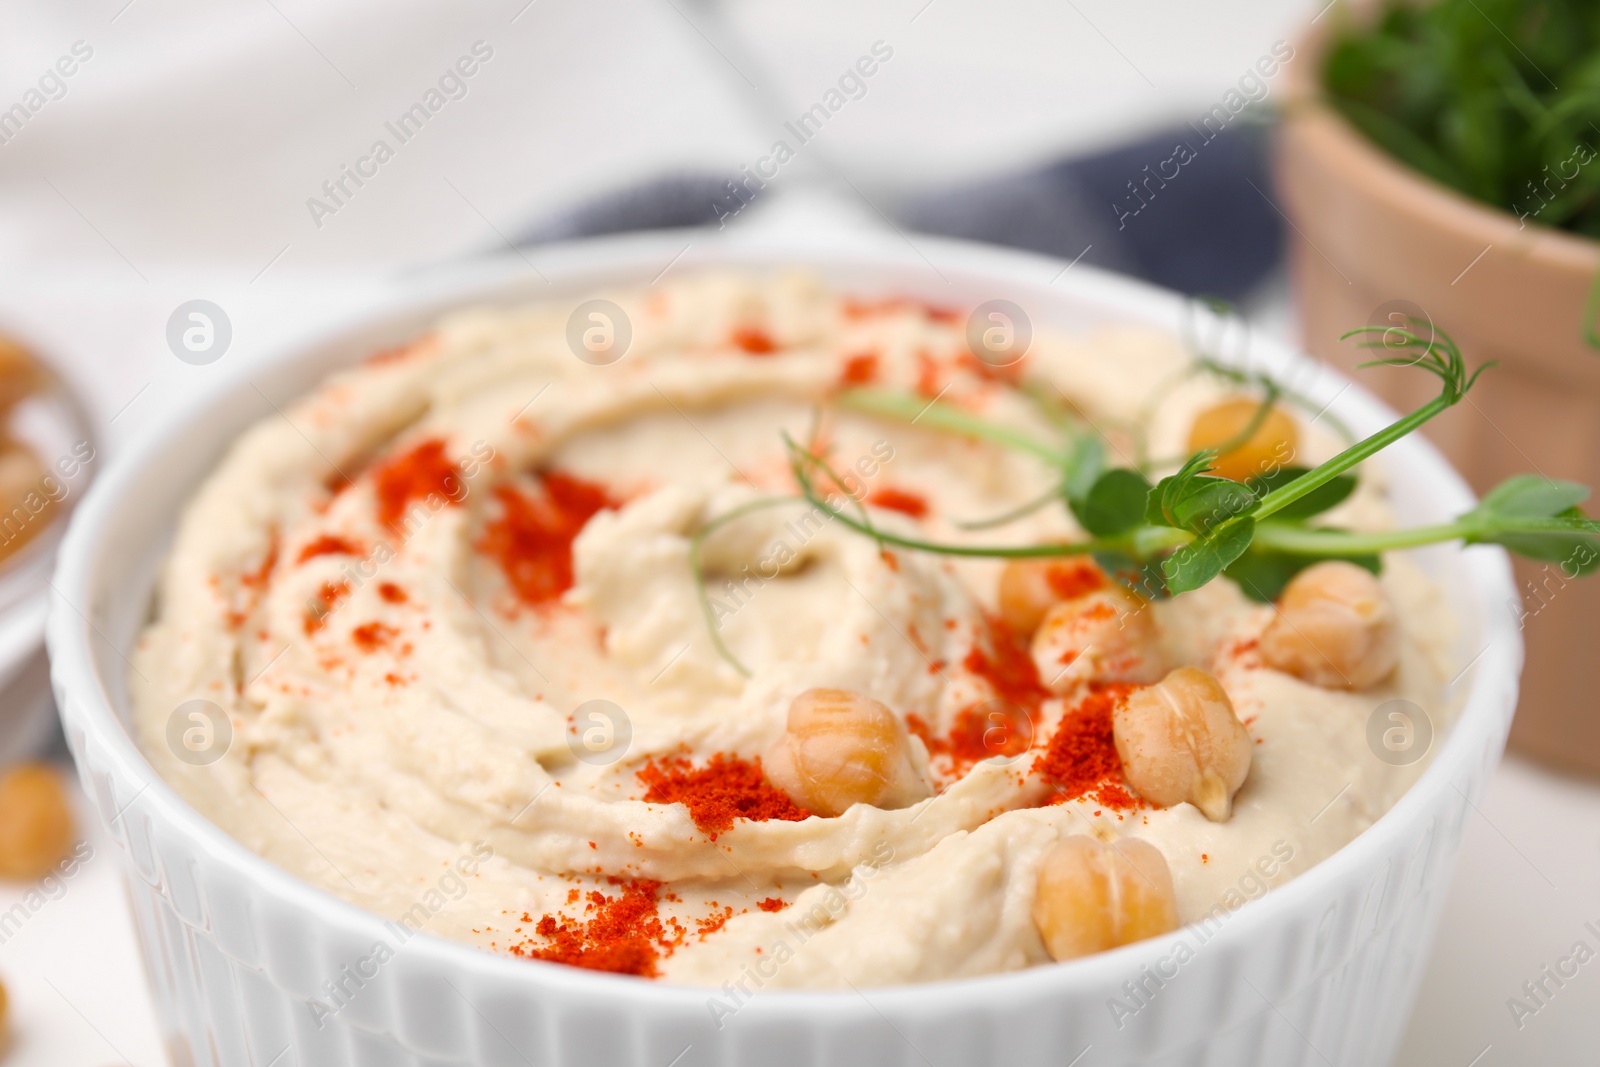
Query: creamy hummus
x,y
446,606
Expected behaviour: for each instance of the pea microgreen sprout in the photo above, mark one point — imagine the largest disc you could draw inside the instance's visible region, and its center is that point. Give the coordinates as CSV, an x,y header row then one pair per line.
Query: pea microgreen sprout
x,y
1191,526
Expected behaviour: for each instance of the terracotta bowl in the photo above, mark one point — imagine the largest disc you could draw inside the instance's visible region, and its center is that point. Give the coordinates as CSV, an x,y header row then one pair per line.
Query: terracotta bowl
x,y
1369,239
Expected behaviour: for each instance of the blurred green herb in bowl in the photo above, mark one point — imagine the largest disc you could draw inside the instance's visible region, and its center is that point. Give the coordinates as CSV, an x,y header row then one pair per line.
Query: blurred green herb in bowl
x,y
1499,99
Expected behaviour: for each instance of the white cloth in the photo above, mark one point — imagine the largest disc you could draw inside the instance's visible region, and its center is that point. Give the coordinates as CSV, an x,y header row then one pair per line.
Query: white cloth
x,y
195,132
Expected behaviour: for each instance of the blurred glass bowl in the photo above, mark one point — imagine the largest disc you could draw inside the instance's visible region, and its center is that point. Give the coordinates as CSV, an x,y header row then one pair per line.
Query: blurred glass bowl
x,y
48,453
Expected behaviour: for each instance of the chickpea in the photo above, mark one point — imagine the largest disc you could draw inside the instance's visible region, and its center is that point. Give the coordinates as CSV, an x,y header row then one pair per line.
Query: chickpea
x,y
1105,636
1271,446
1181,741
1335,628
35,822
1031,587
1095,896
840,749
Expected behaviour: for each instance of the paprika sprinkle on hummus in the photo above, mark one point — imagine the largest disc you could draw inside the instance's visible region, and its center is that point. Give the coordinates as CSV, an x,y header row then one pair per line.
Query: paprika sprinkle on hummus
x,y
1082,759
623,934
425,471
532,537
607,631
717,794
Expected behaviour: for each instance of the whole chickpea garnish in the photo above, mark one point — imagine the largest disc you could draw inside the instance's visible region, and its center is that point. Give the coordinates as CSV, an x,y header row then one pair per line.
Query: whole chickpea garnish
x,y
1094,896
1335,628
1270,446
1105,636
1180,741
1031,587
840,749
35,822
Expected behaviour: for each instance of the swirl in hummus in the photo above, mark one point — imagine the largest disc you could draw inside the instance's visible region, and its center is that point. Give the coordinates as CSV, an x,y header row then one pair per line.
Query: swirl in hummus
x,y
446,602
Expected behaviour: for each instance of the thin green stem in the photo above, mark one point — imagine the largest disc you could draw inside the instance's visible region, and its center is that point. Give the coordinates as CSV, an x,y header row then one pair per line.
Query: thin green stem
x,y
1581,525
1257,418
1316,478
1051,496
1318,412
1076,548
1312,541
800,458
910,408
1142,541
696,542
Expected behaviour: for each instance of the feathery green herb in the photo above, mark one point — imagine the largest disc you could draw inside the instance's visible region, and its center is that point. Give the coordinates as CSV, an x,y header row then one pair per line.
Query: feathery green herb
x,y
1499,99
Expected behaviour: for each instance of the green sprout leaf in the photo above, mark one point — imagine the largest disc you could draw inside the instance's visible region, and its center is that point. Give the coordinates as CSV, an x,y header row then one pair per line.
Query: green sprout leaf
x,y
1578,553
1174,488
1085,465
1115,503
1531,494
1197,563
1209,502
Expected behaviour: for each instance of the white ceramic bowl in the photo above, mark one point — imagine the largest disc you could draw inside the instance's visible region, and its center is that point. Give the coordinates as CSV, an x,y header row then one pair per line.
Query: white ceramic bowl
x,y
1320,971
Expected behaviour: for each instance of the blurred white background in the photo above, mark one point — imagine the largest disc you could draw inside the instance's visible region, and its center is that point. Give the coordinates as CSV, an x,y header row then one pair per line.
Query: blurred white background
x,y
197,131
177,161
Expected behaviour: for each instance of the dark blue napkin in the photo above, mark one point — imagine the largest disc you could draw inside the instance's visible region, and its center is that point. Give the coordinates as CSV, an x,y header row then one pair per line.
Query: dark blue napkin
x,y
1184,209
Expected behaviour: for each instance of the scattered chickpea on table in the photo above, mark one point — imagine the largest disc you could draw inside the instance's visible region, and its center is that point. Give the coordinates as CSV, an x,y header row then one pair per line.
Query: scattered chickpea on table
x,y
36,827
36,833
